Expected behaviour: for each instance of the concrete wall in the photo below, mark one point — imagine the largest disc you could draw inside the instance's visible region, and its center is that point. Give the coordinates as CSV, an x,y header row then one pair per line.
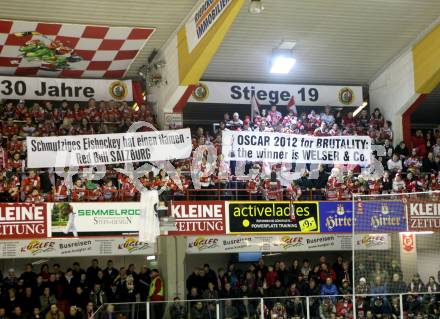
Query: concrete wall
x,y
392,91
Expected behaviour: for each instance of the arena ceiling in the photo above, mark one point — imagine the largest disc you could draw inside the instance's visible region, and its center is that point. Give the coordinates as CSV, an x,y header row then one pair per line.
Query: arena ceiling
x,y
338,42
342,41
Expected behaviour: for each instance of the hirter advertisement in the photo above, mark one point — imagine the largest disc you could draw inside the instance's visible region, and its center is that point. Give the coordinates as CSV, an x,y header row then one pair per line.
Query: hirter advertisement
x,y
20,221
423,216
201,217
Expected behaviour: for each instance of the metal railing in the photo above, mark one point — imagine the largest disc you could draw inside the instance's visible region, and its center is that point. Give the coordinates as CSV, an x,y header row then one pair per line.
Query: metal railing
x,y
396,306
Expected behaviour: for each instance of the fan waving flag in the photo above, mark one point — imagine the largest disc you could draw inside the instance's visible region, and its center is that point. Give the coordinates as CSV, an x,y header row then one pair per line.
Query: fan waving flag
x,y
255,107
291,106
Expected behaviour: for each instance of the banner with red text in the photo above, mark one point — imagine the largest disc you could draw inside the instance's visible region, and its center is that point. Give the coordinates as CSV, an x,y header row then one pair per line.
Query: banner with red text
x,y
423,215
23,220
201,217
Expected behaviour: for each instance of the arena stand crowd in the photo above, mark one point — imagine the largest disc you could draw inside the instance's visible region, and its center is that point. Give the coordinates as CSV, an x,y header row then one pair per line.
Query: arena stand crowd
x,y
284,288
408,168
74,293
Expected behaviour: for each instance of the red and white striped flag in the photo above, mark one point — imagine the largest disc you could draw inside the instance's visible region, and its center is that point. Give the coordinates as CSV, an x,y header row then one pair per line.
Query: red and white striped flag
x,y
291,106
255,107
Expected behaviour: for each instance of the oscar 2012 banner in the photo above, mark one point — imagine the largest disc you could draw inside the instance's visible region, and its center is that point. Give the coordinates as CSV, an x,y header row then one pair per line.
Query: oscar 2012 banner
x,y
52,247
288,148
33,88
286,243
423,215
266,217
89,150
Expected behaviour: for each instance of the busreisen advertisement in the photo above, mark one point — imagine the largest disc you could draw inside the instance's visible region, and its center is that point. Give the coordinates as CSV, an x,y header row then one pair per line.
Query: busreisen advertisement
x,y
285,243
22,220
423,215
94,218
266,217
53,247
201,217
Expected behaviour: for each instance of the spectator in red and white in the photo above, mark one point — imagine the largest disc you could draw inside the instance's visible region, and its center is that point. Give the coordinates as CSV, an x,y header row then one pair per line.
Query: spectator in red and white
x,y
246,125
274,116
377,119
419,143
10,128
61,191
348,120
394,164
78,191
272,187
411,183
294,191
109,191
34,197
436,148
399,185
327,117
334,131
413,162
236,123
31,182
321,130
386,132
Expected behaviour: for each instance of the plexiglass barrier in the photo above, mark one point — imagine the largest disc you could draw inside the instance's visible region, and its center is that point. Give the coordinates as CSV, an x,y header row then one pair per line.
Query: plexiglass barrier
x,y
384,306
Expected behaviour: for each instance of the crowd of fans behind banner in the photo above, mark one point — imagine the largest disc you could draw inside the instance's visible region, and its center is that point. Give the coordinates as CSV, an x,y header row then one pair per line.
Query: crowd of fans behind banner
x,y
408,168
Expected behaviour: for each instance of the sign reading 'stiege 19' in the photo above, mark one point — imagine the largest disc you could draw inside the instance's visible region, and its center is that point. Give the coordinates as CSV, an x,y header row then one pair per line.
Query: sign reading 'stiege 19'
x,y
276,94
64,89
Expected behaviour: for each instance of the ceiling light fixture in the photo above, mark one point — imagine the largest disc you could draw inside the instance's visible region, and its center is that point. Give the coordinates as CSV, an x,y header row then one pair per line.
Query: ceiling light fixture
x,y
256,7
360,108
282,61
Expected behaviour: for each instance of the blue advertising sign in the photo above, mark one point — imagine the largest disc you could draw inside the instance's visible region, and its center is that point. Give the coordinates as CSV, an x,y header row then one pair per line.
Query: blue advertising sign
x,y
379,216
336,217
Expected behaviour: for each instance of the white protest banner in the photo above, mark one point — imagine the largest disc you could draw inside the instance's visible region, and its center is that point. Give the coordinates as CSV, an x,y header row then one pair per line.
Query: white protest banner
x,y
289,148
94,218
30,88
285,243
203,18
99,149
47,248
277,94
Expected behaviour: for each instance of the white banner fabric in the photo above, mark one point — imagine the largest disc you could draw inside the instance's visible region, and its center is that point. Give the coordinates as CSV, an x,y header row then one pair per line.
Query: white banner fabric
x,y
32,88
277,94
289,148
99,149
285,243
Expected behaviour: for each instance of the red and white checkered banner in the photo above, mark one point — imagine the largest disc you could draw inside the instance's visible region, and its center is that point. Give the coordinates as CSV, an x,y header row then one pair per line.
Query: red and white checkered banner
x,y
32,88
68,50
